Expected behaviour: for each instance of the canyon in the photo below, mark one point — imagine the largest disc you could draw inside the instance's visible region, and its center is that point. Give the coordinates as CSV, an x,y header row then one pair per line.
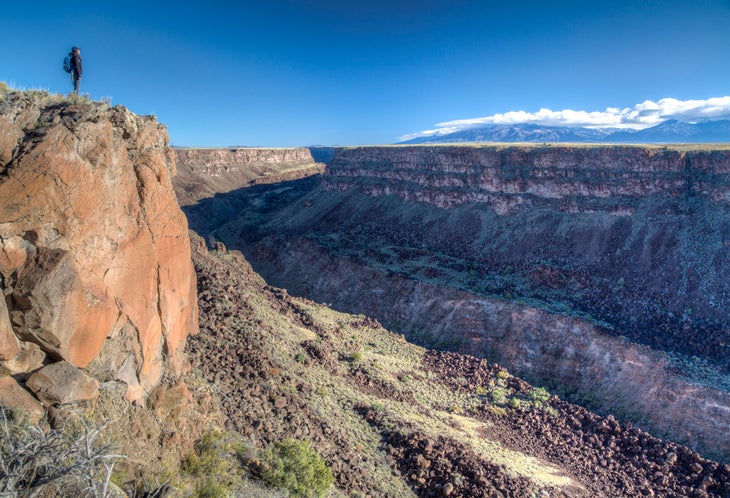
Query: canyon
x,y
172,351
596,271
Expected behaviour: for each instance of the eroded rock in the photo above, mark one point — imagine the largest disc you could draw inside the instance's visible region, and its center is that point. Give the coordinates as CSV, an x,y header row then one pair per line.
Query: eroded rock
x,y
16,399
62,383
91,237
9,346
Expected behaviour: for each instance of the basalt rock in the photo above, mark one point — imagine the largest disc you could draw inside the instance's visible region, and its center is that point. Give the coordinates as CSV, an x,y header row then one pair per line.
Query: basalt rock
x,y
61,383
93,244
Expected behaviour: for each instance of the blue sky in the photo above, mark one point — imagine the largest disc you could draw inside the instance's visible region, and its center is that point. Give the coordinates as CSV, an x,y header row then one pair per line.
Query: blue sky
x,y
296,73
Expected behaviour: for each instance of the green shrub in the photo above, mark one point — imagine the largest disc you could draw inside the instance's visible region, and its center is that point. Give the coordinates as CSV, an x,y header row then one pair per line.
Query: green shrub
x,y
538,396
357,356
377,407
499,411
498,396
214,465
551,411
295,466
502,374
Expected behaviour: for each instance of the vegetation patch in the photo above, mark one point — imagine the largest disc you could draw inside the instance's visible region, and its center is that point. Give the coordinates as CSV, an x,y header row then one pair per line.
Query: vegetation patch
x,y
294,466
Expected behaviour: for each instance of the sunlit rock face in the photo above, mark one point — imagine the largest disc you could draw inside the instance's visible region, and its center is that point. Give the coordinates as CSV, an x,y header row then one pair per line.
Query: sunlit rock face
x,y
570,178
94,251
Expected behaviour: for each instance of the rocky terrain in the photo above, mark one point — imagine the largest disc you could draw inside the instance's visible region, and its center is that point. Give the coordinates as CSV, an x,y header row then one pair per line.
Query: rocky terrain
x,y
394,419
595,271
199,348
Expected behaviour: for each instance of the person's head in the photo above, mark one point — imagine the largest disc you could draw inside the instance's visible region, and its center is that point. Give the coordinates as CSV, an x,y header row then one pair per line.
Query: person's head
x,y
75,50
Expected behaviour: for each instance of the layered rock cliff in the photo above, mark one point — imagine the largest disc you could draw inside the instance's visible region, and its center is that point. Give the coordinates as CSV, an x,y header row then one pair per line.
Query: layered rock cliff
x,y
208,179
95,265
205,172
570,178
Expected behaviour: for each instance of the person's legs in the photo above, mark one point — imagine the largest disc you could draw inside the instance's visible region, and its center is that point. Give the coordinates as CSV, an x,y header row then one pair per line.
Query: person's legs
x,y
77,82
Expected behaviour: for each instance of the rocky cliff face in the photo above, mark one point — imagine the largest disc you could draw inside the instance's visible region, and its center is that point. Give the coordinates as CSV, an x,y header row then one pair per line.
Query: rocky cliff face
x,y
636,237
205,172
575,179
95,265
205,175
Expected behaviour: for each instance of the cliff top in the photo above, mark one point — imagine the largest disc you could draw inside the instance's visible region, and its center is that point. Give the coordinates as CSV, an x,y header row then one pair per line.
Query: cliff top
x,y
553,145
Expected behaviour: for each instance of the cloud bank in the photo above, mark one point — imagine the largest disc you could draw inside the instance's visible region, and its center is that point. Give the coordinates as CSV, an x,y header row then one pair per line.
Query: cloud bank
x,y
640,116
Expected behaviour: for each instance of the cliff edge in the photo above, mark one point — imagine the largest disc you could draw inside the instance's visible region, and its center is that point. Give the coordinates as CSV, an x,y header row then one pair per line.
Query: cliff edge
x,y
95,264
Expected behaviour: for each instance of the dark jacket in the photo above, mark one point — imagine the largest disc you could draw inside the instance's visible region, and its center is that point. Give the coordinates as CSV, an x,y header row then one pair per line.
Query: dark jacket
x,y
76,64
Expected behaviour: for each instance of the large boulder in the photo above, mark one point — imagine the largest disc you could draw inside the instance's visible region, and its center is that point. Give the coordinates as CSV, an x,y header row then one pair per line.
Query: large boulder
x,y
92,240
61,383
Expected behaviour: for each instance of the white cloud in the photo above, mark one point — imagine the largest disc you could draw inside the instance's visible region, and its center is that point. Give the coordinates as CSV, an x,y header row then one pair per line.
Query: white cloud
x,y
640,116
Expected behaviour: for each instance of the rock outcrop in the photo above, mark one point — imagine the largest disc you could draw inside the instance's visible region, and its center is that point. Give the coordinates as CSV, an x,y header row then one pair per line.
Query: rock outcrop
x,y
95,265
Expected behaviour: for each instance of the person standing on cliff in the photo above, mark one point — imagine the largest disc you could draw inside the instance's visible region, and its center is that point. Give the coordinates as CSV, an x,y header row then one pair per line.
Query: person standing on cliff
x,y
76,68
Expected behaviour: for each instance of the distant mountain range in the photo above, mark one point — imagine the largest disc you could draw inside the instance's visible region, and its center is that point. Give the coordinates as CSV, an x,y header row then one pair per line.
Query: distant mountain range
x,y
670,131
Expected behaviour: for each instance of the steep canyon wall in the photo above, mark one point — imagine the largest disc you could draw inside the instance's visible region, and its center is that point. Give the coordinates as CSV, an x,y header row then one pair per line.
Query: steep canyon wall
x,y
208,180
95,264
506,178
637,237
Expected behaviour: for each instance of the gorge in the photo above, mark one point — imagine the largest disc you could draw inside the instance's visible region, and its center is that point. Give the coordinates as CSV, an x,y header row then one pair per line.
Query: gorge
x,y
163,356
596,271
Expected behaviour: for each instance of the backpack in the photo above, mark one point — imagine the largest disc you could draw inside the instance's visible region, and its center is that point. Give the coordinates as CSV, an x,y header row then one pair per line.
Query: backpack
x,y
67,64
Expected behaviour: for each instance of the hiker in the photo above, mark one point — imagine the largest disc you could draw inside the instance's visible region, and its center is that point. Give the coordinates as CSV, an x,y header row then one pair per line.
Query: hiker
x,y
76,69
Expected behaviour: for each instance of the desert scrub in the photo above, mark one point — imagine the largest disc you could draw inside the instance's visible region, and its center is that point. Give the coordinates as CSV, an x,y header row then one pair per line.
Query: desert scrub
x,y
36,460
538,396
498,396
214,466
294,466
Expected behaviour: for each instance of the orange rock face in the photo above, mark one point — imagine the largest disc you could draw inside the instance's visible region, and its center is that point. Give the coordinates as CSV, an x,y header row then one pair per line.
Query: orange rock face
x,y
92,240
